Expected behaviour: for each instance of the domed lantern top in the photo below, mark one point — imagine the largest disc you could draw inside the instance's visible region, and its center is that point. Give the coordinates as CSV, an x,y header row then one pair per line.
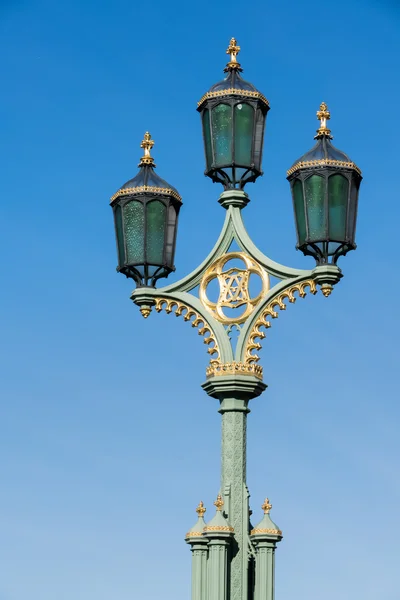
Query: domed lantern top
x,y
325,185
146,212
233,114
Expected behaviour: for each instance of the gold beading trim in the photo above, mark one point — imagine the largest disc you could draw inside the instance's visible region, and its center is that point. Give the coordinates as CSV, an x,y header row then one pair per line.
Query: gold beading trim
x,y
269,531
196,320
323,162
269,312
234,92
146,188
219,528
234,368
194,534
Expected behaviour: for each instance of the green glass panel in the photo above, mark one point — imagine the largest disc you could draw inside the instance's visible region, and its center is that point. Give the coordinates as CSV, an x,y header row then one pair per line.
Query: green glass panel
x,y
314,188
244,122
155,232
338,191
299,211
133,213
353,210
222,134
120,235
207,137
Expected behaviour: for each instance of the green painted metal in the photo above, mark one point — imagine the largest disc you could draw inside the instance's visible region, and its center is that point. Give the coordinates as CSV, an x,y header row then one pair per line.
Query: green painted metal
x,y
222,562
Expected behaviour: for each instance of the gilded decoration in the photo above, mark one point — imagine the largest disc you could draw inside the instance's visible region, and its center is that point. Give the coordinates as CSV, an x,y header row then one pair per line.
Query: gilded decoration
x,y
270,312
201,509
266,506
233,50
219,503
234,287
268,531
323,162
234,368
147,144
233,92
146,188
323,115
196,320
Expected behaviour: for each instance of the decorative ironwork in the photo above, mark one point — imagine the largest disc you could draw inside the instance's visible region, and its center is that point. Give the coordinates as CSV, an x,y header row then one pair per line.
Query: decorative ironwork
x,y
323,162
147,144
268,531
234,368
266,506
219,503
269,312
233,50
323,115
234,91
234,287
201,509
146,188
196,320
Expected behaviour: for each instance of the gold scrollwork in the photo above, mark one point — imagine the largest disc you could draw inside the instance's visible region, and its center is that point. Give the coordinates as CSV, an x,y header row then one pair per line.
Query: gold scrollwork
x,y
234,287
234,92
323,162
147,189
270,312
196,320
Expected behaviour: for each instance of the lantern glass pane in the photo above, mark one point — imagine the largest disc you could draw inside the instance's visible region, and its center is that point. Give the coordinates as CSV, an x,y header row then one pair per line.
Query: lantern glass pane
x,y
133,213
171,226
258,139
120,235
314,188
299,211
207,137
222,134
353,210
155,228
244,124
338,191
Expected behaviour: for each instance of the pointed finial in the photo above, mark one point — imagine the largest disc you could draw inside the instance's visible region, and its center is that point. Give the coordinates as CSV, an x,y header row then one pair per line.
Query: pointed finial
x,y
233,49
266,506
201,509
147,144
323,115
219,502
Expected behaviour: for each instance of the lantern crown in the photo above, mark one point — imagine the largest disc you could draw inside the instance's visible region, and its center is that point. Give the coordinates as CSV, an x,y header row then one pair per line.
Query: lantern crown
x,y
233,114
325,184
146,212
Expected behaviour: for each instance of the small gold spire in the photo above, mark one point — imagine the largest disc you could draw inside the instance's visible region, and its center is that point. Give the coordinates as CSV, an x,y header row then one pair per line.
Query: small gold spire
x,y
147,145
233,49
145,310
201,509
323,115
219,502
266,506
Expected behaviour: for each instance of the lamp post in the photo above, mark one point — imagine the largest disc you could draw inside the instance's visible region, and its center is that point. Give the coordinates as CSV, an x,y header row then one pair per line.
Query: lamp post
x,y
231,559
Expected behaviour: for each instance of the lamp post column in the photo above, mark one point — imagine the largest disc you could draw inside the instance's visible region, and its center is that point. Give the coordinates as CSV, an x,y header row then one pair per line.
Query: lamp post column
x,y
234,394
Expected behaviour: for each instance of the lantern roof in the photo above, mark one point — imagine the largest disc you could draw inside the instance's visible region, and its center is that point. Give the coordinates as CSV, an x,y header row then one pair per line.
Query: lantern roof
x,y
233,84
147,180
324,153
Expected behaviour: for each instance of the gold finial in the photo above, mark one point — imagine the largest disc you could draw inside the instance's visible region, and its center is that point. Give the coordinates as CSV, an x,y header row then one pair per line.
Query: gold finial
x,y
266,506
233,49
201,509
323,115
147,145
145,310
219,502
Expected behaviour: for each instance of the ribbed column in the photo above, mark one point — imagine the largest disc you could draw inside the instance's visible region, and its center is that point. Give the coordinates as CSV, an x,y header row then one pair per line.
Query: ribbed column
x,y
199,547
234,393
219,534
264,537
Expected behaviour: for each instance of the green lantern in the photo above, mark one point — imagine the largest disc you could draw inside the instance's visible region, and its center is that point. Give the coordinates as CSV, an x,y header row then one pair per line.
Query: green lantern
x,y
325,185
146,212
233,114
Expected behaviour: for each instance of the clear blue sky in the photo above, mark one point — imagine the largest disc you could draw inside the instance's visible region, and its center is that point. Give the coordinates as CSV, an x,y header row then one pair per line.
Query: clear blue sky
x,y
107,441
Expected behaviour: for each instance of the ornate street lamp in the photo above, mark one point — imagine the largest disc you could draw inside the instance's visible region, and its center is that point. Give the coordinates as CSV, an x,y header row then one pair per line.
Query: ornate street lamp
x,y
146,212
233,114
231,558
325,184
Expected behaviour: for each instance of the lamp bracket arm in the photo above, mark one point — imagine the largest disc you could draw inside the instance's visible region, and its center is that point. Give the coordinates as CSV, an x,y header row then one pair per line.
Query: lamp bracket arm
x,y
247,245
193,279
190,308
267,310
